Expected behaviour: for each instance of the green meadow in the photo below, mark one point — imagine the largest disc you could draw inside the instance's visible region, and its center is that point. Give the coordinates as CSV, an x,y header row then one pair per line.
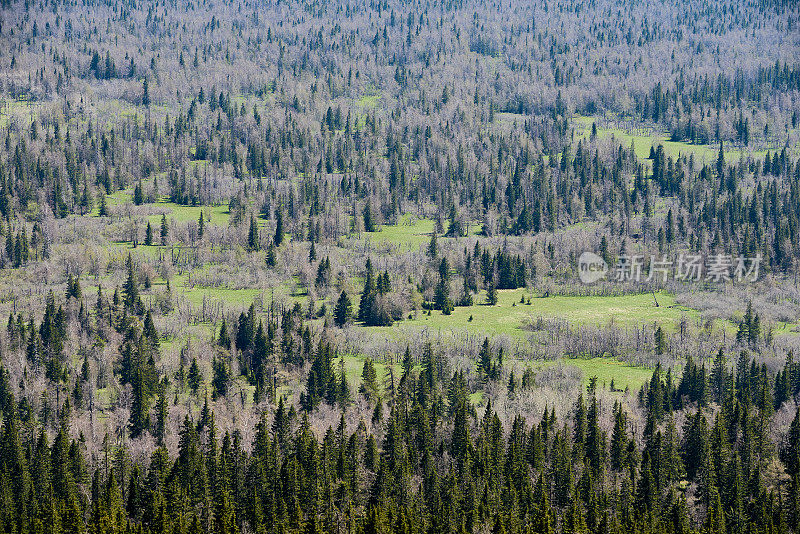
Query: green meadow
x,y
509,316
643,140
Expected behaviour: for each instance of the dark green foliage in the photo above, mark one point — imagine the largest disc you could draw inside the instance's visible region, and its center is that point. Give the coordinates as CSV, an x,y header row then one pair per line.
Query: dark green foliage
x,y
343,310
221,378
369,384
224,339
566,474
278,237
253,242
369,221
372,309
195,377
660,340
148,235
131,299
164,230
491,295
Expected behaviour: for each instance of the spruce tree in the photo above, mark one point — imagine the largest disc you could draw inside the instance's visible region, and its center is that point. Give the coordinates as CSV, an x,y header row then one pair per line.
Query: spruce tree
x,y
278,237
195,377
164,230
369,384
148,235
139,419
253,243
343,310
131,288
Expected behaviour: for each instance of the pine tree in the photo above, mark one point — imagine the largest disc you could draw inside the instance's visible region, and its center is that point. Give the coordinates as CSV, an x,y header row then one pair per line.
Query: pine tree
x,y
369,221
718,374
146,93
164,230
491,295
138,194
148,235
253,243
221,378
366,308
442,295
343,310
433,249
139,419
271,256
161,414
790,454
660,340
278,238
103,210
369,384
131,288
195,377
224,339
619,439
149,331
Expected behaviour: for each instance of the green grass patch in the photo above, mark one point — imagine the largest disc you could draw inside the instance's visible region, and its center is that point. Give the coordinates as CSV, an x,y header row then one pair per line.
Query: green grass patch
x,y
608,369
23,110
643,141
408,232
215,215
508,316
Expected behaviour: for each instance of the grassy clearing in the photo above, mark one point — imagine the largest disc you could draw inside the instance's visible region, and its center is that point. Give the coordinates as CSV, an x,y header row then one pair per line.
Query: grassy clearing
x,y
353,365
607,369
22,110
408,232
642,142
214,215
508,316
369,101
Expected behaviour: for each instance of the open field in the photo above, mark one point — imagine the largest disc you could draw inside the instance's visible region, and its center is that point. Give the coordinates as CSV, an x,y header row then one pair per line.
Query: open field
x,y
508,316
643,141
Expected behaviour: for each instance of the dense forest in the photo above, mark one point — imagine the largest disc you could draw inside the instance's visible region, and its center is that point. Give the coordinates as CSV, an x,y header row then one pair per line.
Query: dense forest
x,y
312,266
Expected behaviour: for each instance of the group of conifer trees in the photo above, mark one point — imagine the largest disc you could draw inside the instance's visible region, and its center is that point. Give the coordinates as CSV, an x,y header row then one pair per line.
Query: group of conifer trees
x,y
425,460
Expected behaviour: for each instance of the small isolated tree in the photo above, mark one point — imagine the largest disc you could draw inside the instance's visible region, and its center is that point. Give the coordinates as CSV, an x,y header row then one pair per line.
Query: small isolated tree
x,y
146,93
138,194
221,379
253,243
343,310
195,377
148,235
103,211
369,384
661,341
491,295
433,249
369,220
278,239
164,230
